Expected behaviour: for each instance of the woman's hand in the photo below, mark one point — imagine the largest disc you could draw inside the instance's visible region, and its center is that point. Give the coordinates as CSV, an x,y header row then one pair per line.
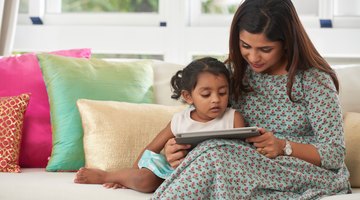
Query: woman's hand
x,y
175,153
267,144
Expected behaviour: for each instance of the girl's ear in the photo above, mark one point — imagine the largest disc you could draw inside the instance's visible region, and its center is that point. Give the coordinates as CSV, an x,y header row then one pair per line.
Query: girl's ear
x,y
187,97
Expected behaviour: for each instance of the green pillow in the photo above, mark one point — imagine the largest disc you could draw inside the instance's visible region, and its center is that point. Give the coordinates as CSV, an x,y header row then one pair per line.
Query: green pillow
x,y
69,79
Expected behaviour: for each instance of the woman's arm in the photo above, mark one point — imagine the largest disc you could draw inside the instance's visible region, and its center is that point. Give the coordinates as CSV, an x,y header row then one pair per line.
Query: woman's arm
x,y
271,147
325,117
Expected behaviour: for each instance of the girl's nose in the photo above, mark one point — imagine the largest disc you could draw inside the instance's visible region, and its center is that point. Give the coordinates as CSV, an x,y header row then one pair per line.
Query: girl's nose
x,y
215,98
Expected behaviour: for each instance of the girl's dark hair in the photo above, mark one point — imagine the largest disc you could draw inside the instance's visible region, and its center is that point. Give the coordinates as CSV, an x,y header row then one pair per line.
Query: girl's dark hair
x,y
186,79
278,20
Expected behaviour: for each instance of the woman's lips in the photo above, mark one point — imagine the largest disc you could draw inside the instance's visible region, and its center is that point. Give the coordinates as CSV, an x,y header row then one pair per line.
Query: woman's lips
x,y
257,65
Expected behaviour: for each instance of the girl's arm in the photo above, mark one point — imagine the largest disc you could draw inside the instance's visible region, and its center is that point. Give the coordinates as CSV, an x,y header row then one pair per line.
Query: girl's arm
x,y
238,120
158,143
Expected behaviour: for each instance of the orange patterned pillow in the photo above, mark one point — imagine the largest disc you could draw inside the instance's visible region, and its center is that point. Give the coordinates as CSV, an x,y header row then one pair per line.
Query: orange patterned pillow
x,y
12,110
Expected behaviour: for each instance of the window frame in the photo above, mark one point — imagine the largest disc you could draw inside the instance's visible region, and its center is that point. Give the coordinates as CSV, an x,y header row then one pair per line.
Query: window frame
x,y
326,11
50,13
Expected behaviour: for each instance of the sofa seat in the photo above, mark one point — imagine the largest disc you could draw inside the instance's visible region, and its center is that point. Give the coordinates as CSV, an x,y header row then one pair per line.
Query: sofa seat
x,y
37,184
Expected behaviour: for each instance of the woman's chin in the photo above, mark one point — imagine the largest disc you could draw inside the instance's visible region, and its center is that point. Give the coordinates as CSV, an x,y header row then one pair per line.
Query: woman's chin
x,y
258,69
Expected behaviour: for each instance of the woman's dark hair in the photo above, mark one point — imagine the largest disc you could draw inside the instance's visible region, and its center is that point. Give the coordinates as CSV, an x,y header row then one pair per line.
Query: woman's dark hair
x,y
278,20
186,79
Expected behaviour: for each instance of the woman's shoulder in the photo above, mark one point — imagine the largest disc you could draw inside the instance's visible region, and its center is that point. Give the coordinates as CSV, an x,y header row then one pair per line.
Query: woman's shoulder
x,y
315,78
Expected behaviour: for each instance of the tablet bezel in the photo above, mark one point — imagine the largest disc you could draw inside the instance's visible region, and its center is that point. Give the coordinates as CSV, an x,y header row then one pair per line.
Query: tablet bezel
x,y
193,138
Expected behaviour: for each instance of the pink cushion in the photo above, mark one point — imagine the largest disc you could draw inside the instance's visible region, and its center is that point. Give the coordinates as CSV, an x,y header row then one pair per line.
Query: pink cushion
x,y
22,74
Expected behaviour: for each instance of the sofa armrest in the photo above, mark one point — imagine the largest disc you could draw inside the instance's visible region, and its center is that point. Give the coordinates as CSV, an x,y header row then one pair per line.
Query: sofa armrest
x,y
352,141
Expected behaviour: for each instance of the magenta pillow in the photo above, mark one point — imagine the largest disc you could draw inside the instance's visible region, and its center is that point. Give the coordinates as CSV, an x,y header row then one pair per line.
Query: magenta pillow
x,y
22,74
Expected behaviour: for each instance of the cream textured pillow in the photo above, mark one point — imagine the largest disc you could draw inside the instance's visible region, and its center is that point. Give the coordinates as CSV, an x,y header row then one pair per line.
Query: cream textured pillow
x,y
115,133
352,140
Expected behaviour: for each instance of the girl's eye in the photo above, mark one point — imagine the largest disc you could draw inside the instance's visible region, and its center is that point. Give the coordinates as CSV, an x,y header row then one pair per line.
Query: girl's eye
x,y
205,95
222,93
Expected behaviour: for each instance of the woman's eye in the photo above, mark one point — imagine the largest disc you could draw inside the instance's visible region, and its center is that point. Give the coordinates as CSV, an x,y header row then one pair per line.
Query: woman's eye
x,y
266,50
245,46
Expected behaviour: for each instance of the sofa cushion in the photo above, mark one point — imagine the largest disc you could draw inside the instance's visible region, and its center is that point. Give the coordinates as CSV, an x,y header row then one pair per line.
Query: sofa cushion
x,y
115,133
352,139
349,87
22,74
69,79
12,112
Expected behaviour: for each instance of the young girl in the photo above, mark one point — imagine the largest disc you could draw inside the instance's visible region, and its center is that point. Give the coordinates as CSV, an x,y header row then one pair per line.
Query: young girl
x,y
203,84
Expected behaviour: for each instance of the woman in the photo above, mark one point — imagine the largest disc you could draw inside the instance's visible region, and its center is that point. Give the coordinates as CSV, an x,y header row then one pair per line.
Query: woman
x,y
282,85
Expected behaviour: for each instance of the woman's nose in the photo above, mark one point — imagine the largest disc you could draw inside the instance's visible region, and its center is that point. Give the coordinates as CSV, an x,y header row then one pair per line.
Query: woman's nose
x,y
254,57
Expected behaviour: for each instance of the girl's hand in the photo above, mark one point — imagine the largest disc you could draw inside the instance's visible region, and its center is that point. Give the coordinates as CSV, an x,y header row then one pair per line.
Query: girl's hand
x,y
267,144
175,153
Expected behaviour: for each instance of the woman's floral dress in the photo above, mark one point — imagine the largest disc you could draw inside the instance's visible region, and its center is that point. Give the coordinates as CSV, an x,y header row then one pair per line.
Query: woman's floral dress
x,y
233,169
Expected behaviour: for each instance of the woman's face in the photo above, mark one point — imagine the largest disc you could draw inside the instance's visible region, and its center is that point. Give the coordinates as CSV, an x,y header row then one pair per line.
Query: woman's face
x,y
262,55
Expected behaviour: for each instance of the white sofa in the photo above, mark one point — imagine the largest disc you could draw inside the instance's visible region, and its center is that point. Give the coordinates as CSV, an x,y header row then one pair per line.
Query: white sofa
x,y
37,184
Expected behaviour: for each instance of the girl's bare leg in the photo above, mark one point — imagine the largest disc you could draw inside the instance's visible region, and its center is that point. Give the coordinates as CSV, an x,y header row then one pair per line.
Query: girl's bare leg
x,y
142,180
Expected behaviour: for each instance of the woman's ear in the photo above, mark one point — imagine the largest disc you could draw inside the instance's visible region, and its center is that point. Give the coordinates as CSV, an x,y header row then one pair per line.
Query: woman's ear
x,y
187,97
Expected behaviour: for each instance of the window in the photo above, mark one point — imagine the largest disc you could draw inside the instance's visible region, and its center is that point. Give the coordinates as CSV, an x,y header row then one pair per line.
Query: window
x,y
346,13
24,6
219,57
343,13
307,7
127,56
219,7
347,8
190,28
94,12
96,6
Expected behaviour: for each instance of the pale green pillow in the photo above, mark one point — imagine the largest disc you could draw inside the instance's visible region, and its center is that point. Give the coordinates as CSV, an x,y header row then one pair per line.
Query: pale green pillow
x,y
69,79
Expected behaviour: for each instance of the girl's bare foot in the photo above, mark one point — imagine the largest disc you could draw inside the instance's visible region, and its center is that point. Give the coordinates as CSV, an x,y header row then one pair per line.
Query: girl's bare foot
x,y
90,176
114,186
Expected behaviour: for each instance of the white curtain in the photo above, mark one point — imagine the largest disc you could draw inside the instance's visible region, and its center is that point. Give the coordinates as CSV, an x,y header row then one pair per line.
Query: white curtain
x,y
8,18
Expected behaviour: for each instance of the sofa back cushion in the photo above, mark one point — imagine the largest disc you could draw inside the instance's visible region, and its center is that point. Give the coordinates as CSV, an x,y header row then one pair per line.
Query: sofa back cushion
x,y
115,133
70,79
22,74
349,87
163,71
352,139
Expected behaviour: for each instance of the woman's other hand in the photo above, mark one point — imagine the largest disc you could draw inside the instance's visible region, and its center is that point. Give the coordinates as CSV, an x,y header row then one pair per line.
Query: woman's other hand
x,y
267,144
175,153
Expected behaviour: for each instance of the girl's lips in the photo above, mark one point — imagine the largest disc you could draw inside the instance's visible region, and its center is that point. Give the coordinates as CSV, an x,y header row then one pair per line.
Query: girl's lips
x,y
216,109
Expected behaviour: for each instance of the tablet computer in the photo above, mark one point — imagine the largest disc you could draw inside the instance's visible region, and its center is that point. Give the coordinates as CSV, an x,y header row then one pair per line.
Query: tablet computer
x,y
194,138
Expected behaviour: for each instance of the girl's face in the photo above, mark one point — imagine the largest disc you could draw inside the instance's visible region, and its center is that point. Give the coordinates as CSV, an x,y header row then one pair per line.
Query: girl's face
x,y
210,97
262,55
